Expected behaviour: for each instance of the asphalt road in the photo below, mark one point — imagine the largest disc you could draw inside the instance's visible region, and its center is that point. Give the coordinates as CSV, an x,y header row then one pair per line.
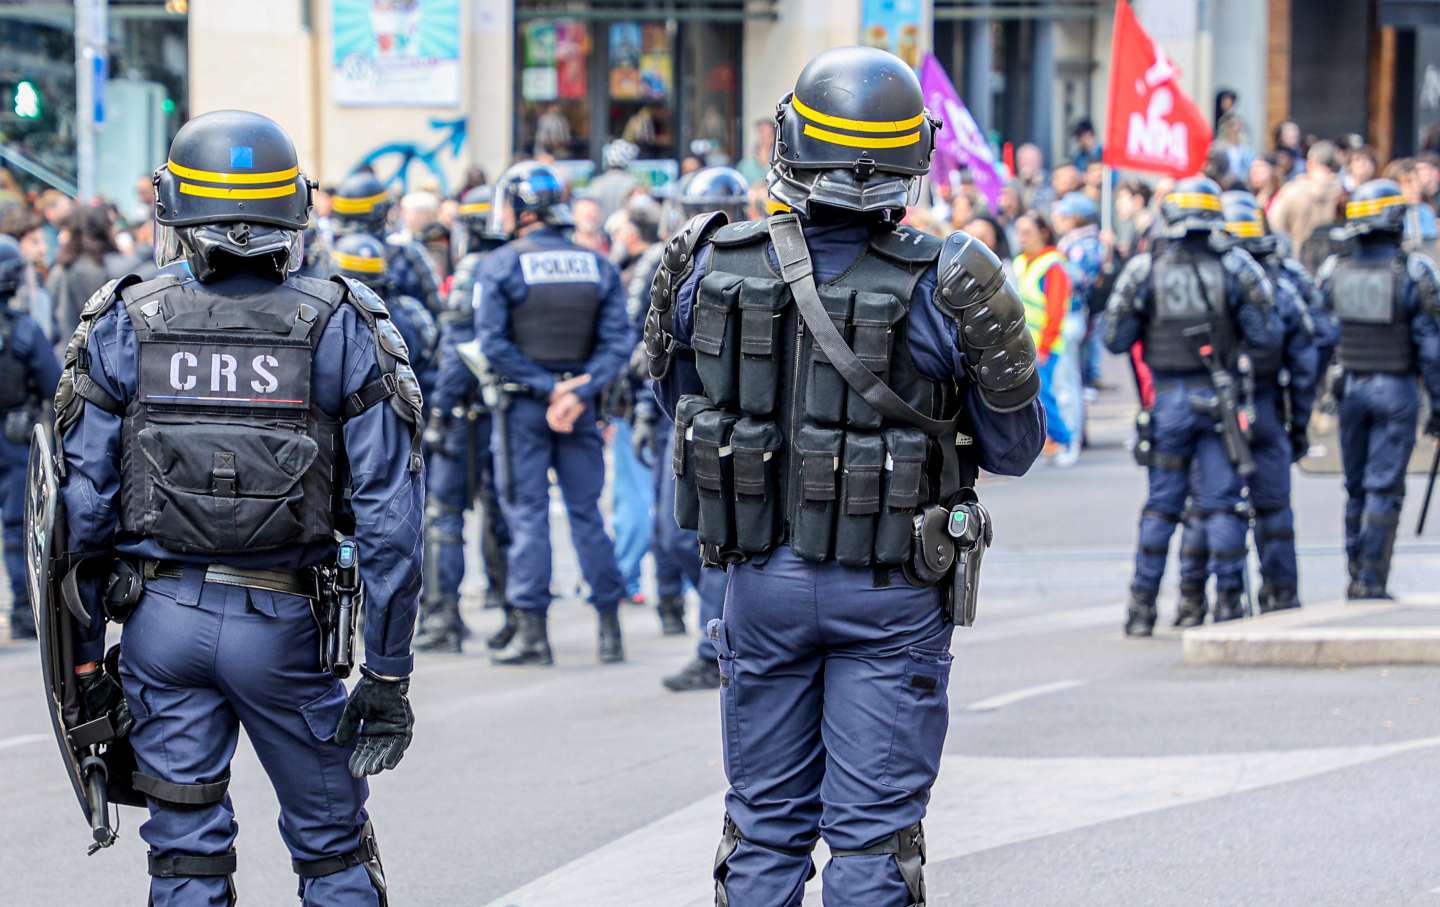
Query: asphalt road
x,y
1081,768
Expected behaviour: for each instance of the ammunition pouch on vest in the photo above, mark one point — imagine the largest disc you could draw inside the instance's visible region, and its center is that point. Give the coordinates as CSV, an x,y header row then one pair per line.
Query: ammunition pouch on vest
x,y
1374,333
780,448
1188,290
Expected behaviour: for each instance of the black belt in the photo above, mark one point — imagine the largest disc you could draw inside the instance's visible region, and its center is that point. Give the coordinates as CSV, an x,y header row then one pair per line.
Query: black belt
x,y
292,582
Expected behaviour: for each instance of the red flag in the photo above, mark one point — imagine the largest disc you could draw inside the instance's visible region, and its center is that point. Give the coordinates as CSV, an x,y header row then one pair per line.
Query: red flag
x,y
1152,125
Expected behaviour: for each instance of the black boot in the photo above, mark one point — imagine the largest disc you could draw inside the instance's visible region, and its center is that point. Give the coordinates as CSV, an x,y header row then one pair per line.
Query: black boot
x,y
1352,589
1193,606
1140,616
531,644
698,674
672,615
1229,605
439,628
1279,599
611,648
501,637
22,624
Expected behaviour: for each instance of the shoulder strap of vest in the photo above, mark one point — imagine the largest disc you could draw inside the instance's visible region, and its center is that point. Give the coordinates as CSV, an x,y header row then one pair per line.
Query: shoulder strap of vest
x,y
76,385
743,233
146,314
799,273
397,383
676,264
907,246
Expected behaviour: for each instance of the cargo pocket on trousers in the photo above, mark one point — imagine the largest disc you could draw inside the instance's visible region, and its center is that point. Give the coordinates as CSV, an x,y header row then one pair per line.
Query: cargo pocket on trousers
x,y
922,717
729,705
322,714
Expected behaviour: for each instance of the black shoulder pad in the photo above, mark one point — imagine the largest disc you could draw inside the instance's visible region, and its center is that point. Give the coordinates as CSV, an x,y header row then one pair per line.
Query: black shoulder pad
x,y
744,233
131,287
907,246
327,291
362,297
969,273
104,298
1427,281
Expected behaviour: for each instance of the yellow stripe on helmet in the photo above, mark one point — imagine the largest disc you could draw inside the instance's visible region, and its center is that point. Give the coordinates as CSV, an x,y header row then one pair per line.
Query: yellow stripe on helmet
x,y
1371,206
227,192
1245,229
1202,200
362,264
236,179
475,208
855,141
825,119
358,205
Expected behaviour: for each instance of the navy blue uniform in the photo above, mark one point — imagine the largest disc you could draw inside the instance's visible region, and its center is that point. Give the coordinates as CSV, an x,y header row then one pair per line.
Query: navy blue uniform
x,y
422,337
411,272
24,341
834,700
1270,441
1379,408
578,458
1183,424
199,660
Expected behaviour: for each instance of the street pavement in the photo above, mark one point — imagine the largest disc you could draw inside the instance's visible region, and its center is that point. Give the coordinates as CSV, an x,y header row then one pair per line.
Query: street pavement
x,y
1081,768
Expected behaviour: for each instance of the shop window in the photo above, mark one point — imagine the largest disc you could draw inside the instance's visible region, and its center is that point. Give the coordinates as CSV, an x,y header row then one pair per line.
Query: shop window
x,y
555,92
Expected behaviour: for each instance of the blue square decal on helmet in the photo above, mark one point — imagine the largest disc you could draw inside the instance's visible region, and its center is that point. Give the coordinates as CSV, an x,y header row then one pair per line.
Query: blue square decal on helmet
x,y
242,156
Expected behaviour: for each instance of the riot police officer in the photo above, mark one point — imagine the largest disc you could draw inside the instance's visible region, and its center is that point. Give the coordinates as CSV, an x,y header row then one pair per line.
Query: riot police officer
x,y
1384,303
550,316
1284,383
1193,301
361,204
821,366
218,429
28,373
461,465
677,551
361,257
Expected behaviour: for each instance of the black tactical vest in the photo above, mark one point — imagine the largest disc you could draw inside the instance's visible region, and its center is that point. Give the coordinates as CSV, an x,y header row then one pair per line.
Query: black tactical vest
x,y
556,323
16,388
224,450
779,449
1188,290
1374,334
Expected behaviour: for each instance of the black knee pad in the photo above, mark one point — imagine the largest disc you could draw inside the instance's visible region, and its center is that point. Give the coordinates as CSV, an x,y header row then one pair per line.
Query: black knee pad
x,y
183,864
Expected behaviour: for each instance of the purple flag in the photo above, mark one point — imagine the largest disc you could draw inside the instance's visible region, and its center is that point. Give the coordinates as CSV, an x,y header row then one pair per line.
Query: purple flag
x,y
960,143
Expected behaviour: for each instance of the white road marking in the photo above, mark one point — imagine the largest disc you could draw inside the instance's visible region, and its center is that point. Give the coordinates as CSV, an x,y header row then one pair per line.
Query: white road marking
x,y
23,740
1002,801
1044,689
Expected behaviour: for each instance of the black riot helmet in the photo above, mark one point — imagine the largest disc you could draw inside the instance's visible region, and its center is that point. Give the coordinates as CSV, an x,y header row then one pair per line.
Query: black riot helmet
x,y
1193,206
471,232
529,187
854,134
361,203
231,191
1376,207
1245,220
361,256
12,268
715,189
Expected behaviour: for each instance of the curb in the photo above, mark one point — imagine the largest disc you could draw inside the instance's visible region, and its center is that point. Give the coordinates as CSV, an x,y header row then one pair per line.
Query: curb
x,y
1300,639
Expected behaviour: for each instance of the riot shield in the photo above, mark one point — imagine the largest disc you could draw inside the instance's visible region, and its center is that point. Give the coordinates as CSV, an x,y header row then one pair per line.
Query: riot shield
x,y
99,771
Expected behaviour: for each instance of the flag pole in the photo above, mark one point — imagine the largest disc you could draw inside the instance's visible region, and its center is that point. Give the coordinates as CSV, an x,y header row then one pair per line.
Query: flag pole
x,y
1106,220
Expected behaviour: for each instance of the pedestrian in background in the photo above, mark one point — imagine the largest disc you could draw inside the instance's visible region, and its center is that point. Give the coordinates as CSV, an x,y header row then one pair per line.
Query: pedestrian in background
x,y
1031,178
1045,288
757,163
1309,200
87,258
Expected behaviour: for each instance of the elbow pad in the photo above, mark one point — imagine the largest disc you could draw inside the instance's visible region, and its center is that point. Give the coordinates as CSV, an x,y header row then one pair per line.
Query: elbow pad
x,y
1251,278
1427,283
677,263
999,352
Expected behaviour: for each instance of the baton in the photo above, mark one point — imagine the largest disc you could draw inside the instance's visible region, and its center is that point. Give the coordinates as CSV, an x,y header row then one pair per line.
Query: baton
x,y
1429,490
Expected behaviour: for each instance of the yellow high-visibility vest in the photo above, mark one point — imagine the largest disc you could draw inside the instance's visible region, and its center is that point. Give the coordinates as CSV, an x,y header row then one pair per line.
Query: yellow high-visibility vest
x,y
1029,276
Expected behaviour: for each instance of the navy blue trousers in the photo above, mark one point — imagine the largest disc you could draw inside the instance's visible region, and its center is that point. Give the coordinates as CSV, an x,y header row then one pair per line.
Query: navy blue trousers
x,y
579,463
834,707
1185,439
677,551
12,515
1270,496
454,472
199,661
1377,435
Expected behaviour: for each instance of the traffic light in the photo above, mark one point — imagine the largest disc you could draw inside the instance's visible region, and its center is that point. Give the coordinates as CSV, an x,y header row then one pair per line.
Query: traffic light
x,y
27,100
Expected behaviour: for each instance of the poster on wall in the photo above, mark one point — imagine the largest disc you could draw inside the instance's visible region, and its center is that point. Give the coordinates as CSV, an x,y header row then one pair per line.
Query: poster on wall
x,y
625,47
572,59
893,25
395,52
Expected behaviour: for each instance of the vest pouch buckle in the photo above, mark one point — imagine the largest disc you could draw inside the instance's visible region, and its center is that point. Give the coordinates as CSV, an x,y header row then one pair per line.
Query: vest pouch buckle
x,y
713,462
813,525
757,445
859,497
714,336
222,474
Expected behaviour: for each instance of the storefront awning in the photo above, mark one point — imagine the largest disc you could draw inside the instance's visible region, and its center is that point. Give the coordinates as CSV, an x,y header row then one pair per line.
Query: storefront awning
x,y
1001,10
647,10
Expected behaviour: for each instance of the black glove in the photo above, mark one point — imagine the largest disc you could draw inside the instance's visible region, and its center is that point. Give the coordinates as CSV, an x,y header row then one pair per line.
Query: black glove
x,y
1432,424
100,695
1299,443
380,714
642,438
